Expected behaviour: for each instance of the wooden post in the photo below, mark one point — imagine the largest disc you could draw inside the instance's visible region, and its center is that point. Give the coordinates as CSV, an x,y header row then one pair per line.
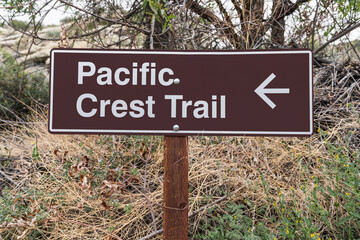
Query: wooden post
x,y
175,194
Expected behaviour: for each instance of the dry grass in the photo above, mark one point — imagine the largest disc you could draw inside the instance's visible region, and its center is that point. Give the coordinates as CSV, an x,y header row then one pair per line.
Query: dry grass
x,y
97,187
78,208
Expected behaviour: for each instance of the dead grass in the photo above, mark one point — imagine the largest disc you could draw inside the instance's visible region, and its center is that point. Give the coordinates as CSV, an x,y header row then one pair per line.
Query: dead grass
x,y
97,187
83,205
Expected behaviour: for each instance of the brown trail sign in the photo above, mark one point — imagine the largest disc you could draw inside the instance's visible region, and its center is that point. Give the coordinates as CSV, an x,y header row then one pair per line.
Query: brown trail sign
x,y
181,93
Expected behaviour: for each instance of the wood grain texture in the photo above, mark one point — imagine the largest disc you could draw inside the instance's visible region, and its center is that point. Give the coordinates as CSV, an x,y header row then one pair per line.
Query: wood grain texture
x,y
175,188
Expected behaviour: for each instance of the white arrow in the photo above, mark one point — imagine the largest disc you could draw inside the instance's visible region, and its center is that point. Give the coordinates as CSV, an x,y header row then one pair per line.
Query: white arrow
x,y
261,91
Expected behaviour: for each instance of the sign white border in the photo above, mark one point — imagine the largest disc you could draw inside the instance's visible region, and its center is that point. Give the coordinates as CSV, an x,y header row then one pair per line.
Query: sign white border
x,y
181,132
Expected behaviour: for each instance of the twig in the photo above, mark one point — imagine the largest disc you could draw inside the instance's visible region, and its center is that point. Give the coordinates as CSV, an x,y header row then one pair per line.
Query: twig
x,y
153,234
229,32
106,19
337,23
148,157
54,39
7,177
339,98
337,36
288,11
4,109
18,6
152,32
114,148
313,26
9,159
208,205
94,227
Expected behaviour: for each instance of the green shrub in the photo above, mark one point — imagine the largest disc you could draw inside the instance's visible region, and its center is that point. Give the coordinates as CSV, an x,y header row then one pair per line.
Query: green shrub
x,y
20,25
67,19
53,34
19,89
232,224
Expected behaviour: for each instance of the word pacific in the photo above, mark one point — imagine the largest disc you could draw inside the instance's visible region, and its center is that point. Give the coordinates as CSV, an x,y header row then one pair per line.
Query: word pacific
x,y
123,76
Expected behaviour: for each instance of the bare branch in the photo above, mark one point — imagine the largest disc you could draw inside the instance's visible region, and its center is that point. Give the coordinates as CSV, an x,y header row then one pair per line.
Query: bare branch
x,y
7,177
287,11
337,36
314,24
107,19
152,32
35,36
228,30
19,6
238,9
224,12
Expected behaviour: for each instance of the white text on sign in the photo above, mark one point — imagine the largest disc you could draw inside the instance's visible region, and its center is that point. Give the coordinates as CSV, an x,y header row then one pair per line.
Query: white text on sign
x,y
142,75
139,108
123,76
146,74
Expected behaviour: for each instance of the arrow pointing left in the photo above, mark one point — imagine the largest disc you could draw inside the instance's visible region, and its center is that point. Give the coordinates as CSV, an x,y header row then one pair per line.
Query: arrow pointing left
x,y
262,91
